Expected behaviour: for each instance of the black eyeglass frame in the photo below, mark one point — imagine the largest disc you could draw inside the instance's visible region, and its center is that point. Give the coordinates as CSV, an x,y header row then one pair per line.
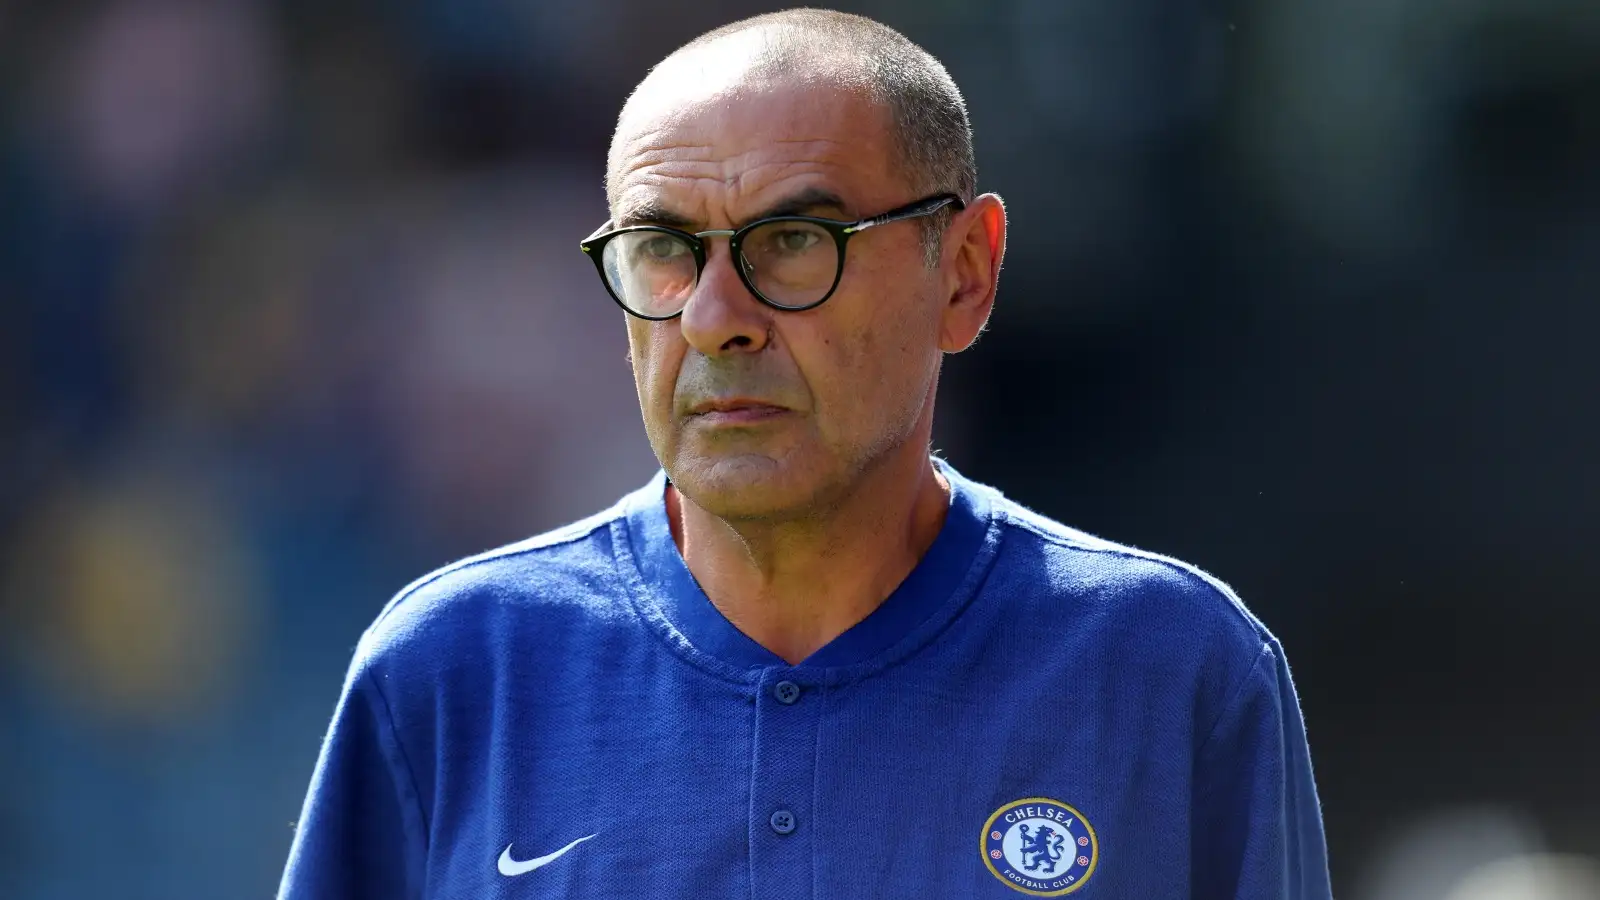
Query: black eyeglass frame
x,y
594,247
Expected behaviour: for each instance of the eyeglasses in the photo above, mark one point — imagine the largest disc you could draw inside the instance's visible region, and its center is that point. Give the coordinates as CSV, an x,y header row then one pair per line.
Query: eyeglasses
x,y
790,263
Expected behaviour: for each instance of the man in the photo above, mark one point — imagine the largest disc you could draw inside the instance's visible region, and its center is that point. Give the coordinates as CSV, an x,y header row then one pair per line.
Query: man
x,y
807,660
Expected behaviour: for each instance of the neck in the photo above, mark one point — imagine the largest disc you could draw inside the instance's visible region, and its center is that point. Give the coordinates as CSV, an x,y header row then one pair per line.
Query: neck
x,y
795,586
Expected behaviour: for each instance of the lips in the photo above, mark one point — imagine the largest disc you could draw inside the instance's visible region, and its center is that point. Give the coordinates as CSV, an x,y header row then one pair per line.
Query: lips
x,y
735,404
735,411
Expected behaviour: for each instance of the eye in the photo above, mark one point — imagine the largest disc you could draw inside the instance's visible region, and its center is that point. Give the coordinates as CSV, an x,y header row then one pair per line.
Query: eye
x,y
794,240
662,248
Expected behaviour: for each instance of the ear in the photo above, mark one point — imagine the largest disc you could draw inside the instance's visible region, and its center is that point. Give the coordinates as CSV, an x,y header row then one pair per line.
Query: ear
x,y
975,242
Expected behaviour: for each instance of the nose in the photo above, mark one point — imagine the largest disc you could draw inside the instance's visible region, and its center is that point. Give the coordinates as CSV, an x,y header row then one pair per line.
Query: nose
x,y
722,316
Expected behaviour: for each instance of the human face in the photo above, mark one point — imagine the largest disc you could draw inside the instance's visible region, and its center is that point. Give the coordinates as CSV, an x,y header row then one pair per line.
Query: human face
x,y
757,413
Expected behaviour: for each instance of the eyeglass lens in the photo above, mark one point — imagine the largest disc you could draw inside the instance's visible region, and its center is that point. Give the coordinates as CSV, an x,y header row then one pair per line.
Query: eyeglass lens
x,y
792,264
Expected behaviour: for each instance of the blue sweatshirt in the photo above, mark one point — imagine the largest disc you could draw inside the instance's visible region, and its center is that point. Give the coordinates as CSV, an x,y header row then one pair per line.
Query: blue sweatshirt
x,y
1034,711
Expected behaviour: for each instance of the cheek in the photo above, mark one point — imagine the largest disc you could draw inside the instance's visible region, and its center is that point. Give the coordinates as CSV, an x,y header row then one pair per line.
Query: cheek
x,y
876,372
656,357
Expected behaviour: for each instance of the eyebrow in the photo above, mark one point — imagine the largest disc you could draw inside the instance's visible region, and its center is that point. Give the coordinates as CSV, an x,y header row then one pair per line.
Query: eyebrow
x,y
651,212
808,199
654,212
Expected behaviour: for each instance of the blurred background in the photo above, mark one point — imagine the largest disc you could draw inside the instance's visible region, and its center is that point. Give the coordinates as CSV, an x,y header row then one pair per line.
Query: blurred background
x,y
292,311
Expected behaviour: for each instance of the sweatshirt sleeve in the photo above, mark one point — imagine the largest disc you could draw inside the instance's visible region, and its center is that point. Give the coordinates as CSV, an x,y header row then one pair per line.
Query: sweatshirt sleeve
x,y
1257,822
361,832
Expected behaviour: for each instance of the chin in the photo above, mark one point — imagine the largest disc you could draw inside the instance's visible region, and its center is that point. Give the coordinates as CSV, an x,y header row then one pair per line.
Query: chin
x,y
751,486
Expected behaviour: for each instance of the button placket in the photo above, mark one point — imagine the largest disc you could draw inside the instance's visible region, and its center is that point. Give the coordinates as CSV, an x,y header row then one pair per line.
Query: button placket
x,y
783,780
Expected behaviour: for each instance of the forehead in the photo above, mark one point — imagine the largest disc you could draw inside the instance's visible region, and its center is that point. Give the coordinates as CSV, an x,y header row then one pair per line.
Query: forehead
x,y
722,145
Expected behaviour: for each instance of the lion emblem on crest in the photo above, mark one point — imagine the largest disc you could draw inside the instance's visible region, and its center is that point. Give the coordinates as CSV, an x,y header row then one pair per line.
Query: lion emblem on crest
x,y
1041,849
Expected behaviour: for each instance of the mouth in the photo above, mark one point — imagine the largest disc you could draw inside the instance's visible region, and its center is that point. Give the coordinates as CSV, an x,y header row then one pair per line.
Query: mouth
x,y
735,411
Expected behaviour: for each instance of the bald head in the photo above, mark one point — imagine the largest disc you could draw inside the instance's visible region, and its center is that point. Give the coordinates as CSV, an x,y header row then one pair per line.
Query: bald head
x,y
925,115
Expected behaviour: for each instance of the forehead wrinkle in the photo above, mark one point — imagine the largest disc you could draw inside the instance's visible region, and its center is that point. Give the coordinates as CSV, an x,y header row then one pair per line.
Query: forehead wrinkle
x,y
694,175
756,182
640,204
799,150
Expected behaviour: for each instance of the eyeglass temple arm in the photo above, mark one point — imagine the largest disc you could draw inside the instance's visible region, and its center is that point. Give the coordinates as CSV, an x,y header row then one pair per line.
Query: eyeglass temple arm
x,y
604,227
930,205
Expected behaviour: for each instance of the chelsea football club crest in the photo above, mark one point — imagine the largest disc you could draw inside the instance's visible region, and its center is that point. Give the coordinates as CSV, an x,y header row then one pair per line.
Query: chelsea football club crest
x,y
1040,846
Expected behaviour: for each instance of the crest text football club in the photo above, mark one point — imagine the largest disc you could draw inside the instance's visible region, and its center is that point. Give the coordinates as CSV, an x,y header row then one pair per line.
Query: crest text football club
x,y
1040,846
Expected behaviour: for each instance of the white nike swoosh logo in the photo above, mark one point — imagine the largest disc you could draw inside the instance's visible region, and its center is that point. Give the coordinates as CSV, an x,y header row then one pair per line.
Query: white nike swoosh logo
x,y
511,868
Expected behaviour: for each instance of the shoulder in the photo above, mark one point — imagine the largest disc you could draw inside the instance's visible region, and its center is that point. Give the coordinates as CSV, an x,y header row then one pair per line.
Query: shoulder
x,y
1154,631
1143,602
545,584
